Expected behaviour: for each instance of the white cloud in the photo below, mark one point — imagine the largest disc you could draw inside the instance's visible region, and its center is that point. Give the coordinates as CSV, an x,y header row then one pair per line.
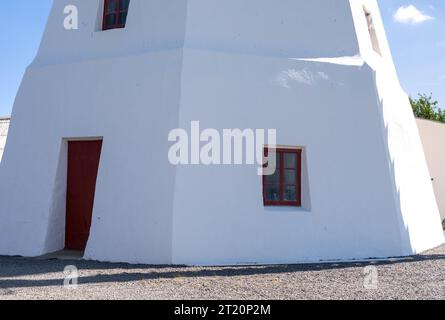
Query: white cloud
x,y
442,77
410,15
440,44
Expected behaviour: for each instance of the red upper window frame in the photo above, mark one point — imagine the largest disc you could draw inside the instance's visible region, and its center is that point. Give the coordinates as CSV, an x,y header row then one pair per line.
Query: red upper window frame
x,y
281,200
115,14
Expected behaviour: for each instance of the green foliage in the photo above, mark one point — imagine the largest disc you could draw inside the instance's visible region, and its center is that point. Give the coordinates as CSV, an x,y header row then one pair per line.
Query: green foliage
x,y
426,108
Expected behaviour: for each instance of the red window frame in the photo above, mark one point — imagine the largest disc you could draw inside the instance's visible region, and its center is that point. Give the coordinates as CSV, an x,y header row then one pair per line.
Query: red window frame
x,y
118,24
280,157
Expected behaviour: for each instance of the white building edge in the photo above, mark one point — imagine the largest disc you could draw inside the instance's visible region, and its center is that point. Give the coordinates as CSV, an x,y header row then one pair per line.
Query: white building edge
x,y
310,69
4,125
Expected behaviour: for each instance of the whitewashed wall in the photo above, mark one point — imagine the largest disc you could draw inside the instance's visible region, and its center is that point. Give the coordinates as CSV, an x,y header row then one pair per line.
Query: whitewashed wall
x,y
122,85
364,199
305,68
433,138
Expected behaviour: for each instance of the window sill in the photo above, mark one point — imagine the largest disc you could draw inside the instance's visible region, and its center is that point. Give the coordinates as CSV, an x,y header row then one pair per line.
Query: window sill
x,y
287,209
112,28
104,33
292,204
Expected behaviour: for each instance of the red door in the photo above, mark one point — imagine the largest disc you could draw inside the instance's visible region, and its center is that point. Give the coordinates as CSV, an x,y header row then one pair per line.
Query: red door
x,y
83,164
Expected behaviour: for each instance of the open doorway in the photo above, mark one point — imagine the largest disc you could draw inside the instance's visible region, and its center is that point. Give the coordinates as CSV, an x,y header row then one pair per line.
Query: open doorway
x,y
83,165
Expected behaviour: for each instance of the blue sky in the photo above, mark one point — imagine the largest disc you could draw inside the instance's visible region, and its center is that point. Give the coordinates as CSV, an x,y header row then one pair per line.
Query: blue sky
x,y
417,39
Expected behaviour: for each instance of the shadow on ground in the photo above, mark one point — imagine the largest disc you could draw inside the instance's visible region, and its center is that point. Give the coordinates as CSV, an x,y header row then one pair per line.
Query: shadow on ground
x,y
11,268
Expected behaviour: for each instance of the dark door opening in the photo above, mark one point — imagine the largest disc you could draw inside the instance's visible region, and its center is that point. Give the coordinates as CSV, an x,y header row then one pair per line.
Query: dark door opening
x,y
83,165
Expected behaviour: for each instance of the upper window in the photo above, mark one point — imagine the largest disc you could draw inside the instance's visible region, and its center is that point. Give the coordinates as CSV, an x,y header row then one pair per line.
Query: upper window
x,y
283,188
372,32
115,14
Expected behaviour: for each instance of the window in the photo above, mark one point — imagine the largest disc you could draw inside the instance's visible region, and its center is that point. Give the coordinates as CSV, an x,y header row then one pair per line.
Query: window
x,y
283,188
372,32
115,14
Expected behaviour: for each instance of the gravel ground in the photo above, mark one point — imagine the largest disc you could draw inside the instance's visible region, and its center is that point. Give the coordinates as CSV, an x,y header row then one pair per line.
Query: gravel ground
x,y
419,277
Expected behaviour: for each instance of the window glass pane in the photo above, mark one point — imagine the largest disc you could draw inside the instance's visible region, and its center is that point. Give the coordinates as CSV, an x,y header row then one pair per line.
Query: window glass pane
x,y
123,18
110,20
124,5
111,6
267,153
290,193
273,179
290,177
290,160
273,192
277,157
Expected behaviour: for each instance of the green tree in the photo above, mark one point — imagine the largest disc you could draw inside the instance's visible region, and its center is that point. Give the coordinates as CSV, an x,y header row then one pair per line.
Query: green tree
x,y
426,107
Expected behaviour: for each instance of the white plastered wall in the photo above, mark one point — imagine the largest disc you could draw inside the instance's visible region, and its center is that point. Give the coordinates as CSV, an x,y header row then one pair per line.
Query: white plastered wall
x,y
432,135
231,64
